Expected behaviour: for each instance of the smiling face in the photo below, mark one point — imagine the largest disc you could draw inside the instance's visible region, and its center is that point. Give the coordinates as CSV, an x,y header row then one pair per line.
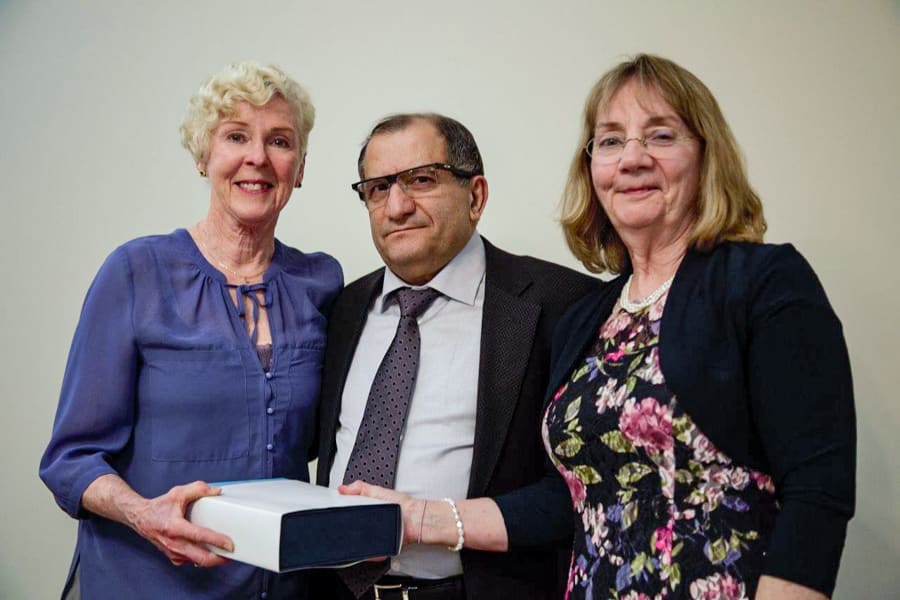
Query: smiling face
x,y
646,197
417,237
254,163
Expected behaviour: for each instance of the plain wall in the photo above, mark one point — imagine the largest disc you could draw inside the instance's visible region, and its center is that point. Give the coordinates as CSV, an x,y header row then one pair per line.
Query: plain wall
x,y
93,92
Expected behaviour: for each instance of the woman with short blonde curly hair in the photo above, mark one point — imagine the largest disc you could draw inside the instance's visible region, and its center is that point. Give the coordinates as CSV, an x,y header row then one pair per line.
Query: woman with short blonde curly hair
x,y
197,358
242,82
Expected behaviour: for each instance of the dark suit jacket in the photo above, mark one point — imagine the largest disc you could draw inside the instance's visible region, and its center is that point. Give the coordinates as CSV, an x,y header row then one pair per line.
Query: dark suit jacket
x,y
756,356
524,297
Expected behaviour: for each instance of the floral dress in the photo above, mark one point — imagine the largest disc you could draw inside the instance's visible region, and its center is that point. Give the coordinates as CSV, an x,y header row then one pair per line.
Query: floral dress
x,y
663,513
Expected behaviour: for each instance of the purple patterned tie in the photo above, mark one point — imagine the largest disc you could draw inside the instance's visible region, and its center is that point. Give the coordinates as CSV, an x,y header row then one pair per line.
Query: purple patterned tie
x,y
374,456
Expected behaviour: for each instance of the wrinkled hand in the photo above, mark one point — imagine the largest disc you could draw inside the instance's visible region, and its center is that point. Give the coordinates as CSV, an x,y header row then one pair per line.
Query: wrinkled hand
x,y
411,508
161,520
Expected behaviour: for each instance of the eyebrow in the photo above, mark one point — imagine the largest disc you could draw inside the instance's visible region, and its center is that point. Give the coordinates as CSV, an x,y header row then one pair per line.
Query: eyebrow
x,y
652,121
236,123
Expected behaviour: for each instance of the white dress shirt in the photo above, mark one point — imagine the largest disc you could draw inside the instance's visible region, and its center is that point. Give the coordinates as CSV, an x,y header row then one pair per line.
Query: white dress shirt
x,y
436,445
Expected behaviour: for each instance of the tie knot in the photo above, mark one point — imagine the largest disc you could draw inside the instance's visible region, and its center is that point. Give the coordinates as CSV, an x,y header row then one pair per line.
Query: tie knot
x,y
414,302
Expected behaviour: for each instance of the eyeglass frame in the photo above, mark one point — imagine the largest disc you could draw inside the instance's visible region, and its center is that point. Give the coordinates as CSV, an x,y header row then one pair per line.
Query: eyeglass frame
x,y
394,177
640,140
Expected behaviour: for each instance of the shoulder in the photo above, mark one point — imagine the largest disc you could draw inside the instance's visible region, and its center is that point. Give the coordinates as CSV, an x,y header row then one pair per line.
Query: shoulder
x,y
141,255
765,275
595,304
317,268
751,258
559,281
359,291
149,245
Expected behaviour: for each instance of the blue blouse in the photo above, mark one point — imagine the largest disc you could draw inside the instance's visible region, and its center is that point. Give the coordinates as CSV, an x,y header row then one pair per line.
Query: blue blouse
x,y
163,386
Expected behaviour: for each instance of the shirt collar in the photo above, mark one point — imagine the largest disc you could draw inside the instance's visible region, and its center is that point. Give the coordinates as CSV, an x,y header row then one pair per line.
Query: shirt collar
x,y
458,280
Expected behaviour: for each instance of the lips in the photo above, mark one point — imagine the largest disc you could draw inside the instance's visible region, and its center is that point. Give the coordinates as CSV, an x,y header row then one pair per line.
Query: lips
x,y
254,186
637,189
401,230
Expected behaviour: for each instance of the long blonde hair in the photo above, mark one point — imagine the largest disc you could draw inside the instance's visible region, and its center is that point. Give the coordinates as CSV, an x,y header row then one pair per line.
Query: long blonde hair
x,y
727,208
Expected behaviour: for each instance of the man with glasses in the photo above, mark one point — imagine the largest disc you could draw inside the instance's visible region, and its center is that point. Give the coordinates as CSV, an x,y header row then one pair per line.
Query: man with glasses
x,y
437,365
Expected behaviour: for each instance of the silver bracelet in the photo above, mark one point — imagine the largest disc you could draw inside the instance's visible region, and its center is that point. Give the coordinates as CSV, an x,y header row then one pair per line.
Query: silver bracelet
x,y
460,535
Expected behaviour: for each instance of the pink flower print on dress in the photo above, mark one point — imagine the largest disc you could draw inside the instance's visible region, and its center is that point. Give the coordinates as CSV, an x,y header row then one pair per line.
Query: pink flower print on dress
x,y
704,451
615,324
614,356
576,487
656,309
647,424
611,395
763,481
560,391
662,542
717,587
650,370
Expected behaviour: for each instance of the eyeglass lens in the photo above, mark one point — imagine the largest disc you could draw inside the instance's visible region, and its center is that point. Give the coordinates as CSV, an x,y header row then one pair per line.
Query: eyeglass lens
x,y
414,182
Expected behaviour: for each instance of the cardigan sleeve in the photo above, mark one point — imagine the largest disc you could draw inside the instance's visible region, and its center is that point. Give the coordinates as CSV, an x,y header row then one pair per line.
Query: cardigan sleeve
x,y
539,514
801,399
95,414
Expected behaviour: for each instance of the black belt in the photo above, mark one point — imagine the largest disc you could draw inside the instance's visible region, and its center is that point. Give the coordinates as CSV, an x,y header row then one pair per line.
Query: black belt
x,y
396,587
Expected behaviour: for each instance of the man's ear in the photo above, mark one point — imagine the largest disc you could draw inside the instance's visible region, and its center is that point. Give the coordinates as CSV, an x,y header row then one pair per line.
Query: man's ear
x,y
478,196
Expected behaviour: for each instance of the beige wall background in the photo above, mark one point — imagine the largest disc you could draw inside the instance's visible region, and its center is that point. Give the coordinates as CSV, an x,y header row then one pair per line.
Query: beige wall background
x,y
91,94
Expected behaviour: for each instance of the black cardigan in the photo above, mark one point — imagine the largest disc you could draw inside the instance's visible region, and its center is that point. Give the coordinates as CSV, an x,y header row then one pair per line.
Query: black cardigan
x,y
756,356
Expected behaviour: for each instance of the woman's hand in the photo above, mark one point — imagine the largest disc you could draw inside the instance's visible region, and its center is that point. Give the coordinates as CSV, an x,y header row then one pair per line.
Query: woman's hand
x,y
433,522
160,520
411,509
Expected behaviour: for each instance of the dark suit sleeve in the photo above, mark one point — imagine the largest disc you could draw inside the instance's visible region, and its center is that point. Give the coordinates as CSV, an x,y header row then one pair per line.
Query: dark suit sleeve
x,y
541,514
802,401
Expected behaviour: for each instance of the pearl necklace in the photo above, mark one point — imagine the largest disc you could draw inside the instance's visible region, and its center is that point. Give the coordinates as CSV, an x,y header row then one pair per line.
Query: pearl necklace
x,y
633,307
248,278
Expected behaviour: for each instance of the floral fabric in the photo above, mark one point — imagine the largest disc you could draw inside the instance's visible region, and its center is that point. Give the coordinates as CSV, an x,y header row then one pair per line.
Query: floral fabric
x,y
663,513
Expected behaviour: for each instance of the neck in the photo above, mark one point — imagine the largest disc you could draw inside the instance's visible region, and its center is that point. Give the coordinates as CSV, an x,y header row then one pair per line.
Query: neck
x,y
654,260
245,253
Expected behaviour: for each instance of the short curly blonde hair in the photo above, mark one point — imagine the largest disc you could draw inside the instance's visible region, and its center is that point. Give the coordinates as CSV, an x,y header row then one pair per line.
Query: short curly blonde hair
x,y
245,81
727,208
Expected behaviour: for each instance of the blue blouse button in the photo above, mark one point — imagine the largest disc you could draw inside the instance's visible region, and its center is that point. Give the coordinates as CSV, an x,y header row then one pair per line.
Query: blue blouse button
x,y
270,410
268,374
269,447
264,595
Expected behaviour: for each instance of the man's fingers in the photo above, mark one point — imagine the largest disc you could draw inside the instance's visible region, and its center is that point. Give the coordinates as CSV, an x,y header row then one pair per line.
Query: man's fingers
x,y
352,489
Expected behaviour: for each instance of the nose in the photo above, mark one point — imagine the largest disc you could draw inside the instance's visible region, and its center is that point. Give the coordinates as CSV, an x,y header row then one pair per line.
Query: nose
x,y
634,155
257,153
398,203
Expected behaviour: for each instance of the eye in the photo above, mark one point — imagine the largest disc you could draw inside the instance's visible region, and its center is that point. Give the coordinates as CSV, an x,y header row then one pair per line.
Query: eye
x,y
281,142
609,141
376,187
419,180
662,136
236,136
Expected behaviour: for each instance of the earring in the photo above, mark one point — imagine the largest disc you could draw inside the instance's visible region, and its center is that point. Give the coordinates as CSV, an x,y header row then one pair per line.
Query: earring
x,y
298,185
202,173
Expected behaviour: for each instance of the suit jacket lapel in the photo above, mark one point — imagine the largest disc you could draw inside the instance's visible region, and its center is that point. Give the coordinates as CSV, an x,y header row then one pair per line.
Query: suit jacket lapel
x,y
344,330
509,322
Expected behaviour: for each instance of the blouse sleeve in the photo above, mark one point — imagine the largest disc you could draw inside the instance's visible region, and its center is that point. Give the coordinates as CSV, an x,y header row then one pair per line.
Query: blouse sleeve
x,y
802,401
95,414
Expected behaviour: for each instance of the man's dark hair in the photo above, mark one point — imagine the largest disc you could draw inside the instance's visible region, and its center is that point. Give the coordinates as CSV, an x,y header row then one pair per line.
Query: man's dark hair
x,y
462,151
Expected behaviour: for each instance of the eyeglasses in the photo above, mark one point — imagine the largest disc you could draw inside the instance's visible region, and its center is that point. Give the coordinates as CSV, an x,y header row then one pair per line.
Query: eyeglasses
x,y
415,182
659,143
